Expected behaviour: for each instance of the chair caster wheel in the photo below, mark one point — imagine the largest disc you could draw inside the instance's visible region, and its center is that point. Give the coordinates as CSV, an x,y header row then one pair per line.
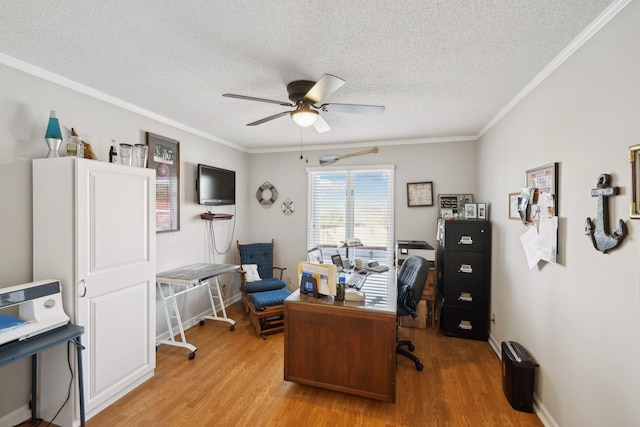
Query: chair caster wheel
x,y
419,366
411,347
201,322
232,327
192,355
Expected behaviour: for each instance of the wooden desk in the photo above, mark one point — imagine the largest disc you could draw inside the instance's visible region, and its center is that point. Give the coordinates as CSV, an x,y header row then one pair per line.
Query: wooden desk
x,y
16,350
429,294
186,279
344,346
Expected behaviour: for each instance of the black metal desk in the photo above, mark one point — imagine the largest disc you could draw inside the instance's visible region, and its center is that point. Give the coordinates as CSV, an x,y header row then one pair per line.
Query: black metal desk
x,y
16,350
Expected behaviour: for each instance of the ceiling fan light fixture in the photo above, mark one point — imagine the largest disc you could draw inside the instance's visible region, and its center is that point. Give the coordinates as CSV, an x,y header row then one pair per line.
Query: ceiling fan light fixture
x,y
304,116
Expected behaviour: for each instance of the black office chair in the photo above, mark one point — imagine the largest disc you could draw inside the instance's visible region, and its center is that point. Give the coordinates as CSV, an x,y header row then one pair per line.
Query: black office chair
x,y
412,279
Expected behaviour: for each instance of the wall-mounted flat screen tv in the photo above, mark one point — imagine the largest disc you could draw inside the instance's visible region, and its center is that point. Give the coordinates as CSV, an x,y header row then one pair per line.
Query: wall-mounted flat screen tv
x,y
215,186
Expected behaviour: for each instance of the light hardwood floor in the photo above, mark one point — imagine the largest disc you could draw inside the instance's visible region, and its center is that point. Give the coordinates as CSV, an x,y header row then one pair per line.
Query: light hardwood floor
x,y
236,379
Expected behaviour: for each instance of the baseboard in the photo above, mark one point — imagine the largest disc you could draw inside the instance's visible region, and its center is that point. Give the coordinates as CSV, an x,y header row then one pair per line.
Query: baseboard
x,y
539,409
16,417
495,345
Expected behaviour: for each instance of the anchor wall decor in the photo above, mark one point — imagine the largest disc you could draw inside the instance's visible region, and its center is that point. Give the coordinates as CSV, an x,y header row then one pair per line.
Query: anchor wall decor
x,y
601,236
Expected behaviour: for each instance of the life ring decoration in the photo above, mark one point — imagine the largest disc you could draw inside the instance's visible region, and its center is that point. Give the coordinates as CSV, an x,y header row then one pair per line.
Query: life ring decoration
x,y
288,207
267,194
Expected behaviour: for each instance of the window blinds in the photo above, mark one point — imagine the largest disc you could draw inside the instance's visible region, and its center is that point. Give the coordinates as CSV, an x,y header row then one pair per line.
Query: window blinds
x,y
346,203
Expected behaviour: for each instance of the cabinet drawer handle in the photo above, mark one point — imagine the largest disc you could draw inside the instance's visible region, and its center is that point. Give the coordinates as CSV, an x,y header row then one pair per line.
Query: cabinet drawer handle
x,y
465,296
466,325
465,240
465,268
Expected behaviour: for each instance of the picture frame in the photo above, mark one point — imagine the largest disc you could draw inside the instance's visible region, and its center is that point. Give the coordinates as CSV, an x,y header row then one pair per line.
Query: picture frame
x,y
544,179
483,213
420,194
514,200
451,205
634,160
164,158
470,211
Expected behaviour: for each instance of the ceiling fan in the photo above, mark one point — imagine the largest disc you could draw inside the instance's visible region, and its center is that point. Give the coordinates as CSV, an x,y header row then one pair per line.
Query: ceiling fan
x,y
307,96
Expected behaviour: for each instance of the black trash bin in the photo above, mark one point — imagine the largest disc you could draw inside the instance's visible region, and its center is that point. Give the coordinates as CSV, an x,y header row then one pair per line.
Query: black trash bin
x,y
518,375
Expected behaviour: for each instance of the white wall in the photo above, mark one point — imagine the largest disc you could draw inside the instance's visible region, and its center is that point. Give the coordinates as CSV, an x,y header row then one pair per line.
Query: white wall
x,y
580,318
450,166
25,102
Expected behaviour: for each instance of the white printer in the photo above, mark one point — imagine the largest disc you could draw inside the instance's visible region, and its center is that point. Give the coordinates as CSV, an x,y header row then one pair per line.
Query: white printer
x,y
40,310
407,248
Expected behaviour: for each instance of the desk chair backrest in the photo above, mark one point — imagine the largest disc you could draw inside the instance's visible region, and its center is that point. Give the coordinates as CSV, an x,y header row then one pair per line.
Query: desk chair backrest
x,y
413,273
260,254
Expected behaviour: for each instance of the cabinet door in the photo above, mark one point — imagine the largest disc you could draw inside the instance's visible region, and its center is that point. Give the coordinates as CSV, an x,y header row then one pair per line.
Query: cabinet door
x,y
115,243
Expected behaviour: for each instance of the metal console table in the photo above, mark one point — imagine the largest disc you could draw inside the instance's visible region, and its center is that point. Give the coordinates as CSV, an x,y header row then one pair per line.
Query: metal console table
x,y
182,280
16,350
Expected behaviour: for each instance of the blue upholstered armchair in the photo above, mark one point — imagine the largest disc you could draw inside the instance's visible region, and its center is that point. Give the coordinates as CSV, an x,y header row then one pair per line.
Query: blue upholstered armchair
x,y
263,290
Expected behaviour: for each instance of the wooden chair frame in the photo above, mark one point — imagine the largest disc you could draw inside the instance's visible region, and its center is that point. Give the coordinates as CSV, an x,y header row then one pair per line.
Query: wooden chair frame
x,y
270,320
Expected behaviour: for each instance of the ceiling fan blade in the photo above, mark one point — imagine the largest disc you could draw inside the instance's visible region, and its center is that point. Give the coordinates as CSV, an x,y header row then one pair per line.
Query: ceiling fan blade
x,y
321,125
324,87
266,119
353,108
253,98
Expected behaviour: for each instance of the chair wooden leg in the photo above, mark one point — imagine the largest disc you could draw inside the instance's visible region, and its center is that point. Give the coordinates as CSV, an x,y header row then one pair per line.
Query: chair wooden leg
x,y
268,321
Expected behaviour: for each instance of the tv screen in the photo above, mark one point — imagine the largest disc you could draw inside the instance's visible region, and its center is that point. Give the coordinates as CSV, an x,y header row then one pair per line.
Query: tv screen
x,y
215,186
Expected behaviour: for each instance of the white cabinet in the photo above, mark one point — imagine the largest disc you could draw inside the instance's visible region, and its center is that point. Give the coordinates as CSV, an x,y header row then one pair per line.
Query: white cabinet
x,y
94,230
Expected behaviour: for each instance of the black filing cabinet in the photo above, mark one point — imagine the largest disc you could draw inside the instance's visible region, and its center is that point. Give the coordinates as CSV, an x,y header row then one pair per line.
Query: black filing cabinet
x,y
466,279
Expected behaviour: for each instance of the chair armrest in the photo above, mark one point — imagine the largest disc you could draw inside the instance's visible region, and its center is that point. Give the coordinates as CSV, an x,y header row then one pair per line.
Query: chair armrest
x,y
243,276
282,269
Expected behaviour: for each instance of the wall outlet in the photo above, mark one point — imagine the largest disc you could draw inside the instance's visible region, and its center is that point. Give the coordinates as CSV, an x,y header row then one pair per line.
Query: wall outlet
x,y
493,318
289,281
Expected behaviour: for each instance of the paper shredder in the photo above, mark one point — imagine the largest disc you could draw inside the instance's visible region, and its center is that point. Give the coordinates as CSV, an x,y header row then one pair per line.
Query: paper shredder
x,y
518,374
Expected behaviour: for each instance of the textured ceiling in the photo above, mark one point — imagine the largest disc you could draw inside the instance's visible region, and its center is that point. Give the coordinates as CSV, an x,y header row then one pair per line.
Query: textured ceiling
x,y
442,68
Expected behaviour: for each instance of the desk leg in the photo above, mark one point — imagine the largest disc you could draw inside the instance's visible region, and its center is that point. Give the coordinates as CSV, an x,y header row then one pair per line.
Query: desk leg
x,y
169,302
219,297
34,386
79,348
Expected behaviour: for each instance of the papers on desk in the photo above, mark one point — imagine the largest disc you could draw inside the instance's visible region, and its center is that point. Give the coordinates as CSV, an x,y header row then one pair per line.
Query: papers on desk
x,y
325,276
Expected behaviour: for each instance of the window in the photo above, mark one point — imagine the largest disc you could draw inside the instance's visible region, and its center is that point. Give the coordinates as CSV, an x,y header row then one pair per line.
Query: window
x,y
346,203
